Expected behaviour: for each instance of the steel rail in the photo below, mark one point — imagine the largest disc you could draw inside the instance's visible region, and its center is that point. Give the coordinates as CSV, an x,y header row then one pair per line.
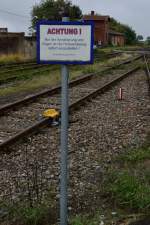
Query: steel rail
x,y
79,103
57,88
10,79
102,89
4,67
107,56
23,69
16,64
32,63
51,92
12,65
25,132
126,62
147,71
19,77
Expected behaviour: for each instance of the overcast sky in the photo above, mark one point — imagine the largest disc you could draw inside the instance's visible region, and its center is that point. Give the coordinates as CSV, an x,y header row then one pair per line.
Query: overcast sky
x,y
135,13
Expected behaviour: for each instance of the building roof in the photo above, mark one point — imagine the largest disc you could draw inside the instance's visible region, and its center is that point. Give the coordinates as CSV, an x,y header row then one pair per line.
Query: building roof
x,y
11,34
96,17
112,32
3,29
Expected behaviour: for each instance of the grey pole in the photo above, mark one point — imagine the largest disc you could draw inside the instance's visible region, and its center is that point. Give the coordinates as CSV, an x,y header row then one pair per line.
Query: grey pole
x,y
64,143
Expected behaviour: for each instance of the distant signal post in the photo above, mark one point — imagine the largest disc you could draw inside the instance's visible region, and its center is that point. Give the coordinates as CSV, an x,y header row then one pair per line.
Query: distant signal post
x,y
64,43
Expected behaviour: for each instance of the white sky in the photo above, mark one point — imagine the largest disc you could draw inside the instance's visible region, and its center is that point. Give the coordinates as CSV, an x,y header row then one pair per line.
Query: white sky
x,y
132,12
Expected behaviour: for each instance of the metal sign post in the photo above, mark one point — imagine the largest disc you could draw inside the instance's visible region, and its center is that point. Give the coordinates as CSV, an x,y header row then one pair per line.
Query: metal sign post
x,y
64,142
64,43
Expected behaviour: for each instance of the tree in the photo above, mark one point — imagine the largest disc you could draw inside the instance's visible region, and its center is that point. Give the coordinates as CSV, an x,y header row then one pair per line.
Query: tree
x,y
53,9
129,33
140,38
148,40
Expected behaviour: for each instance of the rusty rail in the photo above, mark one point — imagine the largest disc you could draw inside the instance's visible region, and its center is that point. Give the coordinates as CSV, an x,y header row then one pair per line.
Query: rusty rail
x,y
4,145
51,92
57,88
147,71
30,67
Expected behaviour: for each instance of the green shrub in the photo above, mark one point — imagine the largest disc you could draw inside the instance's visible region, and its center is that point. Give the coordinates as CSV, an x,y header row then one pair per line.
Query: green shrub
x,y
129,190
26,215
136,155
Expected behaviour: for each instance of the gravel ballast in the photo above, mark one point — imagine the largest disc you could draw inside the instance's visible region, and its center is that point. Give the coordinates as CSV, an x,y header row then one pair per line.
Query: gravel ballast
x,y
102,129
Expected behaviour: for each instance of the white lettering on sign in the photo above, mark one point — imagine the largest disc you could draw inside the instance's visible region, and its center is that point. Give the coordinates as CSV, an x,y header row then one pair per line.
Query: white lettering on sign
x,y
65,42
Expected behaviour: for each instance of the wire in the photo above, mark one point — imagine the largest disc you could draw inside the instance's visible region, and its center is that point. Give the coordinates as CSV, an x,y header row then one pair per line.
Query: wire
x,y
14,14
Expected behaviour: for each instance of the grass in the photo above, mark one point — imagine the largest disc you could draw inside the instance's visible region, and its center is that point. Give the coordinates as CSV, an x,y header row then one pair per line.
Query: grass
x,y
26,215
26,85
130,191
122,48
84,220
27,74
125,190
136,155
129,184
11,58
30,211
44,80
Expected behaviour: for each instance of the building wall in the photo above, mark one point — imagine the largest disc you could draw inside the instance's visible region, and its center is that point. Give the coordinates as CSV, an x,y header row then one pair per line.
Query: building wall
x,y
101,32
116,40
30,47
11,43
17,43
101,26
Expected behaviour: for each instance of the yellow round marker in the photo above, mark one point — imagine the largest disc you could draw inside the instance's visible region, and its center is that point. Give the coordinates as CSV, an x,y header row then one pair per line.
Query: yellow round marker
x,y
51,113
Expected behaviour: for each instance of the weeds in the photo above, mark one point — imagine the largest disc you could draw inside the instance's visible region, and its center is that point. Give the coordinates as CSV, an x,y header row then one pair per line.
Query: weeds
x,y
136,155
27,196
32,80
89,69
12,58
85,220
26,215
129,191
129,185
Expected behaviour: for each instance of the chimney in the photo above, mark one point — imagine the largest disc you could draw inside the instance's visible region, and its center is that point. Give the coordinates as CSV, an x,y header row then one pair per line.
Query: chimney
x,y
92,13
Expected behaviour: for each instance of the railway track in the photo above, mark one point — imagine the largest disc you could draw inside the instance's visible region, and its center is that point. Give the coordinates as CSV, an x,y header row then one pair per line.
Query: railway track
x,y
10,65
6,76
7,68
27,63
5,81
105,128
57,88
19,77
29,66
21,120
98,56
147,70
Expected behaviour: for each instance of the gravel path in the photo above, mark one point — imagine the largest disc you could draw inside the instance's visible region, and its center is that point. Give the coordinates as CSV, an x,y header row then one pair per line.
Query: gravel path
x,y
103,129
